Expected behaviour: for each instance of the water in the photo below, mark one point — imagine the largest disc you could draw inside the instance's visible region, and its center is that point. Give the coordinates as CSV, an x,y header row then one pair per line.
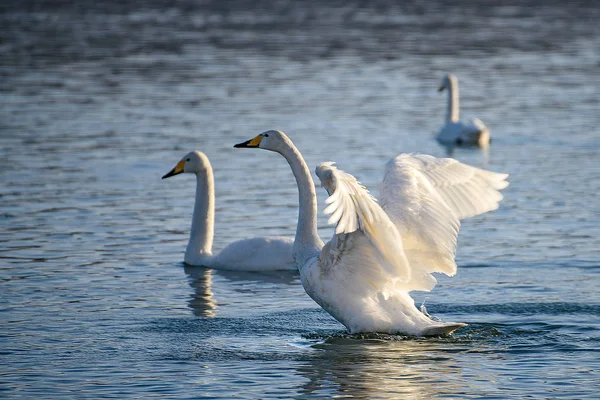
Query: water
x,y
99,100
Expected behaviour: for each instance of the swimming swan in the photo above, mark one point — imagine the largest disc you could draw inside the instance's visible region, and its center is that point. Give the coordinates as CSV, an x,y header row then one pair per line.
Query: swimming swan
x,y
379,253
456,132
256,254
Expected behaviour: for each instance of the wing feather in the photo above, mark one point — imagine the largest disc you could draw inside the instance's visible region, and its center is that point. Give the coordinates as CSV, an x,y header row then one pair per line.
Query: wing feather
x,y
357,214
426,197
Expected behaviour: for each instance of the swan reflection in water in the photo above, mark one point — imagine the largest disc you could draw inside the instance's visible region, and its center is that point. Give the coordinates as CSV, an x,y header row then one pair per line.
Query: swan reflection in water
x,y
242,288
383,369
202,301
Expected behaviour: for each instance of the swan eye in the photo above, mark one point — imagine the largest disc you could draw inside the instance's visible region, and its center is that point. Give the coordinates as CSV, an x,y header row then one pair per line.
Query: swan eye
x,y
266,135
187,159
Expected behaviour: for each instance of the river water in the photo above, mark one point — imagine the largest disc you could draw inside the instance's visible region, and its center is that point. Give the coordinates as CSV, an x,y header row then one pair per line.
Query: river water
x,y
100,99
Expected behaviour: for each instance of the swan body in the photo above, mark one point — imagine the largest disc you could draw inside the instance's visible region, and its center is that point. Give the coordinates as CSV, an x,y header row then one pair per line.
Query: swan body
x,y
255,254
379,253
455,132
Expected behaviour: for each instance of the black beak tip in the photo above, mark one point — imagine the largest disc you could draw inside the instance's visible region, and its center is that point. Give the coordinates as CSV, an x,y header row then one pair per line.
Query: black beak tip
x,y
241,145
168,175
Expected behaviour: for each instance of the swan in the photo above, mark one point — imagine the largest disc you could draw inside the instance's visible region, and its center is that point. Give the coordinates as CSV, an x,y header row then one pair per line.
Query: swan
x,y
382,251
457,132
255,254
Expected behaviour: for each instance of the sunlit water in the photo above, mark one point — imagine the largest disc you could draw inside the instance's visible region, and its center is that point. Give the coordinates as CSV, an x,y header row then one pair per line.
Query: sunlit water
x,y
99,101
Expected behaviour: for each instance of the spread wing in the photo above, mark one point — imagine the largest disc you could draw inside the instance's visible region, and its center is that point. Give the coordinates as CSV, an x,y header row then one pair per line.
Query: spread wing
x,y
426,197
366,244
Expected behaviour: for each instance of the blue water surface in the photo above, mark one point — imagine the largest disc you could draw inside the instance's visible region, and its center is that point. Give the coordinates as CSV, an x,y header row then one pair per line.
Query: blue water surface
x,y
99,99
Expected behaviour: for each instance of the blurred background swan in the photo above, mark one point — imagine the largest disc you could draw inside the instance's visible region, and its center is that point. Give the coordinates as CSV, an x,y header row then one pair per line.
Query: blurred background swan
x,y
254,254
455,132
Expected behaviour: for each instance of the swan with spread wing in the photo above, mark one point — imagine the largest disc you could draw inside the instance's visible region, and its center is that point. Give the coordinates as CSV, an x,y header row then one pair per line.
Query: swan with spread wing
x,y
382,251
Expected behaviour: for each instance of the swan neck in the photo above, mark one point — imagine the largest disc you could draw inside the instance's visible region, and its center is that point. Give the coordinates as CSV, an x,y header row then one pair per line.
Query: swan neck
x,y
201,233
307,242
453,104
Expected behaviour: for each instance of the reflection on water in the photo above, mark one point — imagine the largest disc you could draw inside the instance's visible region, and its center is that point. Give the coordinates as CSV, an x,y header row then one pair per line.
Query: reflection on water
x,y
382,369
202,300
248,290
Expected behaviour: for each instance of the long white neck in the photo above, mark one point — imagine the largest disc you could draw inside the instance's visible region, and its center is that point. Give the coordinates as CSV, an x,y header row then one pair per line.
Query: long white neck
x,y
203,220
453,105
307,243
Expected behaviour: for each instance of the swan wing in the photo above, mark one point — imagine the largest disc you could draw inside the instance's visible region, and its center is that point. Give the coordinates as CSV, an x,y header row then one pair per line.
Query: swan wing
x,y
363,232
426,197
468,191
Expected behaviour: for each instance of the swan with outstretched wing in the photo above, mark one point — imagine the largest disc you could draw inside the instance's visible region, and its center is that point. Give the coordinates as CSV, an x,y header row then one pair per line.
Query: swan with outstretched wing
x,y
379,253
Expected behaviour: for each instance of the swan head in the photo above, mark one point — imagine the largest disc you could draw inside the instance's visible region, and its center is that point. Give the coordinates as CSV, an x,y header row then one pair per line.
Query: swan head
x,y
269,140
193,162
448,81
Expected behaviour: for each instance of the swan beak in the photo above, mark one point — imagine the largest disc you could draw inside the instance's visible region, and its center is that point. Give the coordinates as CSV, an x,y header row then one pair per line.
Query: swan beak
x,y
175,171
249,143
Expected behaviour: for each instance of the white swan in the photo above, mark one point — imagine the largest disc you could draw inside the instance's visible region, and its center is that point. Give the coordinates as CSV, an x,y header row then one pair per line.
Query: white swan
x,y
456,132
255,254
378,254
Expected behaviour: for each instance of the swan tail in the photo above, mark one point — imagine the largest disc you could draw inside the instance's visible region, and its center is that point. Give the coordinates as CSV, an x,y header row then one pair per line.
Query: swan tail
x,y
440,329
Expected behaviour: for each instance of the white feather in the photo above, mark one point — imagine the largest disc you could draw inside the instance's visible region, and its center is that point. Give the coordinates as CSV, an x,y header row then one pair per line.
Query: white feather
x,y
426,197
378,254
353,209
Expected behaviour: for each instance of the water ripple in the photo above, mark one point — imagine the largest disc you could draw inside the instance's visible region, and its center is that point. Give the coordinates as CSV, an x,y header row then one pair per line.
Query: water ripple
x,y
100,99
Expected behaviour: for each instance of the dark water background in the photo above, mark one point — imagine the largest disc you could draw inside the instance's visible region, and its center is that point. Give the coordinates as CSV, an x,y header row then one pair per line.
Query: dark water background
x,y
100,99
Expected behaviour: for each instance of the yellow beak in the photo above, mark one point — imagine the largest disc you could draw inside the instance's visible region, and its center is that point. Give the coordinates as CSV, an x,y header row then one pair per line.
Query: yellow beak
x,y
250,143
175,171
